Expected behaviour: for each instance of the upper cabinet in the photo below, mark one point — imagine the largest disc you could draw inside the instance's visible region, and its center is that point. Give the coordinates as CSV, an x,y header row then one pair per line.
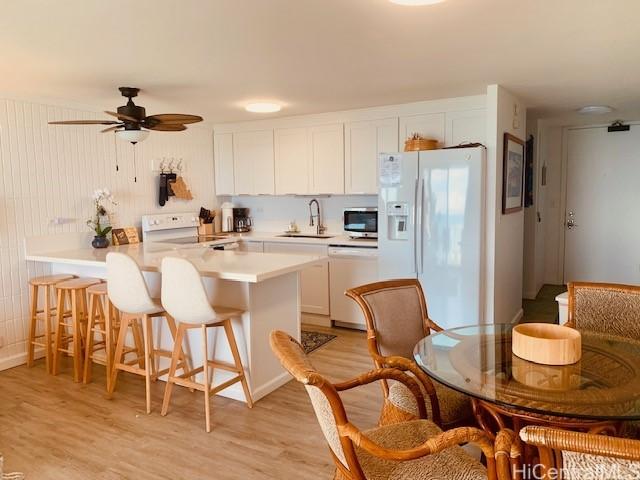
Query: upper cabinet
x,y
293,161
223,154
309,160
253,163
334,154
326,145
364,141
430,125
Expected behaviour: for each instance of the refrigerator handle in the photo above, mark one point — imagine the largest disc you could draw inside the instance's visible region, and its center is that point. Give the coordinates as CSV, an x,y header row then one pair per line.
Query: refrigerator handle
x,y
421,233
415,227
418,225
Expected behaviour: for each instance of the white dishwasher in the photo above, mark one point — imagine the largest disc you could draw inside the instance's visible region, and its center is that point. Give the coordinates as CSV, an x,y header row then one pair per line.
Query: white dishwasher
x,y
350,266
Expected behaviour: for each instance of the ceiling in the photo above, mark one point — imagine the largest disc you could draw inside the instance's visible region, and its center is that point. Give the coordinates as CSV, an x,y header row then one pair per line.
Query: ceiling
x,y
210,57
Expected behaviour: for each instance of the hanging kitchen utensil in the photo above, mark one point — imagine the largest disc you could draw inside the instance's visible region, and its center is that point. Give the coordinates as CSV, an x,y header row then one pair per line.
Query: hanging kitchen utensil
x,y
181,190
163,193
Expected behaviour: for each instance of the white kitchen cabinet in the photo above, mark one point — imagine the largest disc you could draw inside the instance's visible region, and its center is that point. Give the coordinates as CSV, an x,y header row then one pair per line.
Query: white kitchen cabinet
x,y
326,144
466,126
314,281
292,160
251,246
430,125
253,163
223,162
363,142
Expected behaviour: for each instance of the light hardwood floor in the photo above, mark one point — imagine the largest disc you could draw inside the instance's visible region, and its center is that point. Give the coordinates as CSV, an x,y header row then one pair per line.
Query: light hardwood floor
x,y
52,428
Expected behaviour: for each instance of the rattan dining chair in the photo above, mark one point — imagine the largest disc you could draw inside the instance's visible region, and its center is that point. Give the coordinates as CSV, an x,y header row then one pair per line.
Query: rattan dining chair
x,y
413,450
396,315
609,308
605,307
575,455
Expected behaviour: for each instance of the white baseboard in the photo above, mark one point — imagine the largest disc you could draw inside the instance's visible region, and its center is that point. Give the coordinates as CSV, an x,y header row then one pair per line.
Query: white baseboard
x,y
13,361
518,316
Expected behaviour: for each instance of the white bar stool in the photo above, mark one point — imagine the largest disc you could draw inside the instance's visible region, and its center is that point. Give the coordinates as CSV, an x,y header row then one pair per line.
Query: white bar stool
x,y
128,291
185,298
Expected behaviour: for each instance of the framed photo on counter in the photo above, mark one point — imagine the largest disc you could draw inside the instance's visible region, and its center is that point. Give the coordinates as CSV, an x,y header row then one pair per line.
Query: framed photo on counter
x,y
512,174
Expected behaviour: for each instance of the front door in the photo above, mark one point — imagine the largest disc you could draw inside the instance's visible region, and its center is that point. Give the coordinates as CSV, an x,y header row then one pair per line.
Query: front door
x,y
602,217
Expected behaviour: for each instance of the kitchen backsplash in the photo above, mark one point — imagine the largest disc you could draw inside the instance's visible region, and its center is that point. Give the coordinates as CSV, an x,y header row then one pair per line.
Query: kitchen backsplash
x,y
273,214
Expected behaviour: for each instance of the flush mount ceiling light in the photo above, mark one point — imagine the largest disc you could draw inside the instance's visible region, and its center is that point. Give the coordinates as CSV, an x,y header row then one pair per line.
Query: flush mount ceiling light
x,y
595,110
263,107
416,2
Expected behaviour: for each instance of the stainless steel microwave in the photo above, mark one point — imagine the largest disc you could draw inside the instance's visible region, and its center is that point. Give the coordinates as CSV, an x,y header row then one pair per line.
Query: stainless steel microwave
x,y
361,222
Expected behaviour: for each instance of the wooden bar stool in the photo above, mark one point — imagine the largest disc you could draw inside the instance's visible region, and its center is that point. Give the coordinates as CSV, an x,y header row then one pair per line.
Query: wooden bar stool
x,y
128,291
185,298
103,320
75,292
46,313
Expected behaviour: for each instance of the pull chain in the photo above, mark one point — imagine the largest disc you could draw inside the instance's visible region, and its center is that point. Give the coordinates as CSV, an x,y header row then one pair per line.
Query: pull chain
x,y
115,146
135,168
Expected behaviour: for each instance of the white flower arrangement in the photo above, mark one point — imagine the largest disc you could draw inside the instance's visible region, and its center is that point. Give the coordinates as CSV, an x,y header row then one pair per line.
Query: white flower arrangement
x,y
101,198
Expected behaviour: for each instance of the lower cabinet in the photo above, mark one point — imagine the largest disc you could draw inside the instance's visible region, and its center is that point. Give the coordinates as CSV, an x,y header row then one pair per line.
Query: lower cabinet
x,y
314,281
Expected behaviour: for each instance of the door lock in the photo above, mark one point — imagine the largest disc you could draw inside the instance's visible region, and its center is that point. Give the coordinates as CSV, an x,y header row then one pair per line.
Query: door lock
x,y
571,224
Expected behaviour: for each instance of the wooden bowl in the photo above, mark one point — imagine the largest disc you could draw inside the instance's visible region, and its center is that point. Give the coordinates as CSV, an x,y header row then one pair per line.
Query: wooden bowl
x,y
560,378
546,343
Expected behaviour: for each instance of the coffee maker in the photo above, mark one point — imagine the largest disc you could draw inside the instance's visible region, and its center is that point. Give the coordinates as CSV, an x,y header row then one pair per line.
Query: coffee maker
x,y
241,220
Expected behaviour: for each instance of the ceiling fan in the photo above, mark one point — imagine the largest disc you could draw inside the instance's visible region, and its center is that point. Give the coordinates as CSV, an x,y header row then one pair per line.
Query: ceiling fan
x,y
133,124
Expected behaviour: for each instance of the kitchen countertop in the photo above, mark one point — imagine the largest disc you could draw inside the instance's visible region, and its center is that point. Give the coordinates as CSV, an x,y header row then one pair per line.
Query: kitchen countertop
x,y
338,239
223,264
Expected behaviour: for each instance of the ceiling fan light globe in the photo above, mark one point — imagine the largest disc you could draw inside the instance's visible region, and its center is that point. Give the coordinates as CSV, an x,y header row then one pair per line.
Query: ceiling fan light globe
x,y
133,136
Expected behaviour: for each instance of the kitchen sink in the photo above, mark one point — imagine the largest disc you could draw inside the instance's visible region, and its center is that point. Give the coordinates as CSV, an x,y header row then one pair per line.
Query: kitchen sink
x,y
304,235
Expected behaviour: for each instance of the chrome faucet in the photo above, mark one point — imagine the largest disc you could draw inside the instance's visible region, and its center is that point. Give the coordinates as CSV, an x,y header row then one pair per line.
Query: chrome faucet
x,y
320,229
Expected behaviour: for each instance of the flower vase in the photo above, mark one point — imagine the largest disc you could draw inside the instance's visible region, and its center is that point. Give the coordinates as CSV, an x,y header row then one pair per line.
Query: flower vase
x,y
100,242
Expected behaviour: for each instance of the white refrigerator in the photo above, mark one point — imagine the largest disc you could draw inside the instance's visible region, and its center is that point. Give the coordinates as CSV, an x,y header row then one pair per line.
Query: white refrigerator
x,y
430,227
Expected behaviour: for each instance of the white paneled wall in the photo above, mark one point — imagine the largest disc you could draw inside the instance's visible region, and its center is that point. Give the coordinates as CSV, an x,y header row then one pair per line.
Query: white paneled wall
x,y
50,172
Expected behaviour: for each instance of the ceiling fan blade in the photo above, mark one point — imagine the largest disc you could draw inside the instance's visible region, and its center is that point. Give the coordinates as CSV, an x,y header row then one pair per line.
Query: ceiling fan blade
x,y
162,127
111,129
122,116
173,118
84,122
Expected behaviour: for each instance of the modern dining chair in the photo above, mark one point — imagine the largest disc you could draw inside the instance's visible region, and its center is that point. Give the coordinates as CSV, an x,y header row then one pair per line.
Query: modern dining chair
x,y
128,291
185,298
580,455
605,307
411,450
396,316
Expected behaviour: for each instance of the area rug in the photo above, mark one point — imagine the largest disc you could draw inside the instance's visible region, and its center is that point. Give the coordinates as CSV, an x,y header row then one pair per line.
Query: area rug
x,y
314,340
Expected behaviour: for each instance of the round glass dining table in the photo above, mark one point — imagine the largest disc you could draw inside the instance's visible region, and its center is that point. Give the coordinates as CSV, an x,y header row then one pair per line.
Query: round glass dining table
x,y
477,361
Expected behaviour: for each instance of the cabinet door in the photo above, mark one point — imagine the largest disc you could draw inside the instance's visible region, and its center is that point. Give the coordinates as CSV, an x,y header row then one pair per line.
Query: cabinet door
x,y
291,160
467,126
253,162
314,281
429,125
327,158
364,141
223,163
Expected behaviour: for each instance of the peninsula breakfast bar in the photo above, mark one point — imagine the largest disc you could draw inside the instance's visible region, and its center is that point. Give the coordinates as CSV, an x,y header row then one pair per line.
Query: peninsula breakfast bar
x,y
265,285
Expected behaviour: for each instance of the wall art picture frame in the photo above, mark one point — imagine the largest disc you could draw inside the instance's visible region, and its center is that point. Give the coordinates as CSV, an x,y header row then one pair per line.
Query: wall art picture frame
x,y
512,174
